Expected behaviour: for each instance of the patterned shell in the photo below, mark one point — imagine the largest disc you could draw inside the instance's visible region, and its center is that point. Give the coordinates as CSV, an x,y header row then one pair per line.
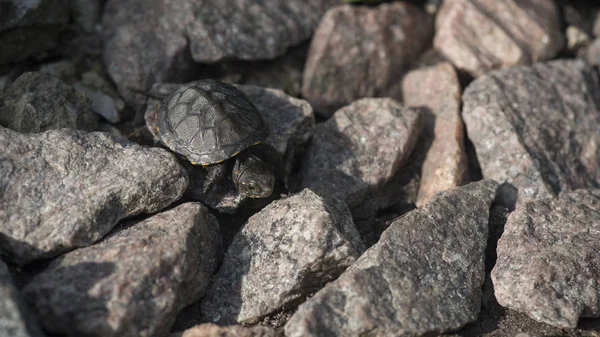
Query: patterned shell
x,y
208,121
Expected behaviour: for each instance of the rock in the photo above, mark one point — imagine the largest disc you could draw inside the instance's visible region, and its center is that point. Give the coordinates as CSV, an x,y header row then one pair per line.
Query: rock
x,y
144,46
16,320
548,262
360,148
579,13
424,276
291,248
135,281
359,51
437,88
592,52
537,127
64,70
213,330
64,188
577,40
38,102
31,29
105,101
87,13
478,36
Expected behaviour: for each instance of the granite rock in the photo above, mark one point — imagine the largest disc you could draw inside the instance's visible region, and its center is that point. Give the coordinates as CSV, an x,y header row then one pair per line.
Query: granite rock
x,y
291,248
65,188
133,282
213,330
424,276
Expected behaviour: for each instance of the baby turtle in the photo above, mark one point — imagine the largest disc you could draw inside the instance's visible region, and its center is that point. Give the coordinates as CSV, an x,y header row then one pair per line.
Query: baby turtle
x,y
208,122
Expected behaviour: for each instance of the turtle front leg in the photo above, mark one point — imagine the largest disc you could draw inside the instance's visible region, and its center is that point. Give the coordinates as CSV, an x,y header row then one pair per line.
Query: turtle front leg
x,y
215,173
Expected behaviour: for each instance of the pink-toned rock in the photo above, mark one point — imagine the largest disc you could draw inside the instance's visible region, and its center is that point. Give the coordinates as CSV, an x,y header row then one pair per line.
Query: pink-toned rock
x,y
481,35
437,88
360,51
213,330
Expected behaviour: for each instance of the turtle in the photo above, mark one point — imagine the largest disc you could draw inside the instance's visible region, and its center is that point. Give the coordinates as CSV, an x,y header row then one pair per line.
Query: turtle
x,y
215,125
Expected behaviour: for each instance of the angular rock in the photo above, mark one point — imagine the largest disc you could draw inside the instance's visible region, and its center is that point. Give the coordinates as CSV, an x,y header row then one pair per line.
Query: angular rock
x,y
38,102
145,46
15,321
437,88
478,36
359,51
104,100
135,281
592,52
360,148
549,259
537,127
213,330
424,276
64,188
291,248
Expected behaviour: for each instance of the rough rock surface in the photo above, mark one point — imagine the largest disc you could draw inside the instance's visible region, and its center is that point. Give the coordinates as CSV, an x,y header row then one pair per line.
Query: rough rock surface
x,y
63,189
213,330
423,276
360,148
549,259
481,35
135,281
15,319
360,51
291,248
31,28
437,88
145,46
38,102
537,127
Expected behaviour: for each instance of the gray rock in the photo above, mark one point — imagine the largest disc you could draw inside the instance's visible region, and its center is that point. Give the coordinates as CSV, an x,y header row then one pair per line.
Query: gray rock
x,y
135,281
360,148
104,100
592,52
145,46
360,51
87,13
537,127
64,70
437,88
15,319
64,188
38,102
424,276
478,36
288,250
213,330
549,259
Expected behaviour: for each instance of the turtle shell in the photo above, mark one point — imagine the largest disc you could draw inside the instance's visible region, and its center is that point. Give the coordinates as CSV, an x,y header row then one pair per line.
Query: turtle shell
x,y
208,121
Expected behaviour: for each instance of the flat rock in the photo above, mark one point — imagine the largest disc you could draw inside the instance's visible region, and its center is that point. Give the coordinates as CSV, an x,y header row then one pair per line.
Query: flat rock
x,y
16,321
360,148
38,102
537,127
437,88
549,259
424,276
63,189
291,248
360,51
158,41
213,330
478,36
135,281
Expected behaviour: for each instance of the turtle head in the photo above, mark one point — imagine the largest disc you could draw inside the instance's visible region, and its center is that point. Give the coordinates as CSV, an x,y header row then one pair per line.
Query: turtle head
x,y
253,177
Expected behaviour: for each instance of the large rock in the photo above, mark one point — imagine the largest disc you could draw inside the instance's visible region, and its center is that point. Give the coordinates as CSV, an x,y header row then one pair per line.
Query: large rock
x,y
437,88
213,330
360,148
481,35
135,281
424,276
38,102
537,127
360,51
16,321
549,259
63,189
155,41
290,249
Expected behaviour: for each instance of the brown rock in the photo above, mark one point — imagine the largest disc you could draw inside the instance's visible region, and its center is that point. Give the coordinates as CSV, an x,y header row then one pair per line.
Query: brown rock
x,y
360,51
438,89
481,35
213,330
